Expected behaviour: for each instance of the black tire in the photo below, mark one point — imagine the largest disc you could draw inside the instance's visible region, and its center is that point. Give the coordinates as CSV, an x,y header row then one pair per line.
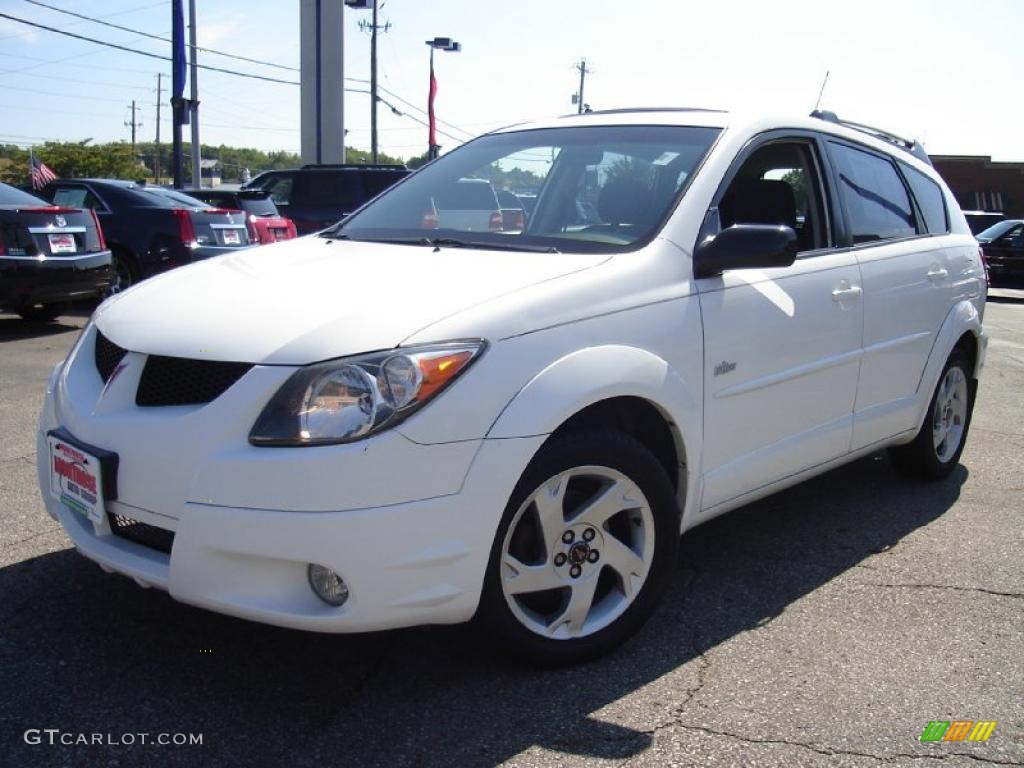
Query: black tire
x,y
124,271
603,448
44,313
920,458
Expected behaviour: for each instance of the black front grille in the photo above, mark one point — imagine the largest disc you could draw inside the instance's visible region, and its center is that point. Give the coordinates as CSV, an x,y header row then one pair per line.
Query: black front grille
x,y
179,381
107,355
141,533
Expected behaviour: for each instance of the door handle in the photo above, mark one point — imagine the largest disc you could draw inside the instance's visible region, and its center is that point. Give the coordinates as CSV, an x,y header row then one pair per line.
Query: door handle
x,y
851,293
935,274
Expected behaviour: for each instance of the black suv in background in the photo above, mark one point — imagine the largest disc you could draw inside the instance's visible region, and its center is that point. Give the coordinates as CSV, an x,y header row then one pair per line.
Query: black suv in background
x,y
49,255
317,196
150,229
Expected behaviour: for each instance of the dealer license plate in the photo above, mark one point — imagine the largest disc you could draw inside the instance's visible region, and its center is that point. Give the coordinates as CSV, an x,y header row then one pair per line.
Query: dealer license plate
x,y
76,479
60,243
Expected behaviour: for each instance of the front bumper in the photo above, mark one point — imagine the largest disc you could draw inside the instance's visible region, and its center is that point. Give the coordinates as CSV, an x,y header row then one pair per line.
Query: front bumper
x,y
408,526
25,281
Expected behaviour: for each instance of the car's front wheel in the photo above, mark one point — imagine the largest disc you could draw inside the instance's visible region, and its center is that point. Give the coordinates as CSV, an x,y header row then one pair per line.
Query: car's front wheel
x,y
585,548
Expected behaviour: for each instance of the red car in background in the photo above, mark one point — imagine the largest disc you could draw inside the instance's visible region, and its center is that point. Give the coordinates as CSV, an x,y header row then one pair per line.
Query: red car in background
x,y
266,224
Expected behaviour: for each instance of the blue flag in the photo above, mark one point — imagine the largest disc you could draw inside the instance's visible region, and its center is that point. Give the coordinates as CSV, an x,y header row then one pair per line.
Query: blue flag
x,y
178,49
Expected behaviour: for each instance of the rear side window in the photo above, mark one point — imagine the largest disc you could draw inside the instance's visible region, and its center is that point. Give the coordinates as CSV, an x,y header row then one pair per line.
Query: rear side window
x,y
76,197
929,199
873,194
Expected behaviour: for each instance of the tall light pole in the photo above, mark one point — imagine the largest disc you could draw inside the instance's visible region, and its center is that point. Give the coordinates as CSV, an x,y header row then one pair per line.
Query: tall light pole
x,y
438,44
197,173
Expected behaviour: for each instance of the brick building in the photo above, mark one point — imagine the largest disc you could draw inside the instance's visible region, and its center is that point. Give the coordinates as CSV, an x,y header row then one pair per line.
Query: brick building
x,y
983,185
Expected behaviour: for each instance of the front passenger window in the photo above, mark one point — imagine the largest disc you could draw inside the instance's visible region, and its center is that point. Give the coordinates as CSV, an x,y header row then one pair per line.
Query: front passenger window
x,y
778,184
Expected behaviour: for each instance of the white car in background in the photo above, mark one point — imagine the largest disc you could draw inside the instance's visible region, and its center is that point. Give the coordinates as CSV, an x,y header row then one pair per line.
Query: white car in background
x,y
518,427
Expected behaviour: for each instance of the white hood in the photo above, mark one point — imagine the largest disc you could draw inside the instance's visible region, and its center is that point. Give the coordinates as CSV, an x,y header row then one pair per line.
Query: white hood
x,y
312,299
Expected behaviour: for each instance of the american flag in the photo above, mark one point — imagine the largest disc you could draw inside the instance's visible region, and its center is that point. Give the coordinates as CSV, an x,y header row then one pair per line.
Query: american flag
x,y
40,172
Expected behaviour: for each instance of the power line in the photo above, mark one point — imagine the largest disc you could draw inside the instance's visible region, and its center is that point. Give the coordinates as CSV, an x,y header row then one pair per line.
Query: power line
x,y
105,16
143,53
127,49
62,95
162,39
88,82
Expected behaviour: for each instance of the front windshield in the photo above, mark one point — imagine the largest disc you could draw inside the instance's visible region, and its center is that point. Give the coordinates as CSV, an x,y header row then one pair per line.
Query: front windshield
x,y
582,189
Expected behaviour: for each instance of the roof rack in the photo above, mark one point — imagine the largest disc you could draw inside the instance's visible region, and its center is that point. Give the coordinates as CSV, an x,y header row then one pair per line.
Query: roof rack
x,y
911,146
354,165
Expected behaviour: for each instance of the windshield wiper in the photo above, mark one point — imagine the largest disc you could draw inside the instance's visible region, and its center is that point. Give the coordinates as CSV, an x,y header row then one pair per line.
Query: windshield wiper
x,y
451,242
437,243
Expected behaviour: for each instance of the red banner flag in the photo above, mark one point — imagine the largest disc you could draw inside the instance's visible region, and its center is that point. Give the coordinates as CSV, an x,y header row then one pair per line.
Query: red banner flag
x,y
430,107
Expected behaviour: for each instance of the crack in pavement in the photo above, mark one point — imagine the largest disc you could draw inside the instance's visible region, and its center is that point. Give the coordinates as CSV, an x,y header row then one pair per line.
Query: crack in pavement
x,y
827,752
982,590
29,458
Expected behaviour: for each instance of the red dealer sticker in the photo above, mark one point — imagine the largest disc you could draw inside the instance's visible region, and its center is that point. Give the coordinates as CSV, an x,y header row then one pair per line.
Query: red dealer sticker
x,y
75,479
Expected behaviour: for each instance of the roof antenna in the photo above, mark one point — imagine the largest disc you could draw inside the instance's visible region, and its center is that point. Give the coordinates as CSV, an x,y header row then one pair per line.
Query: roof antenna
x,y
822,91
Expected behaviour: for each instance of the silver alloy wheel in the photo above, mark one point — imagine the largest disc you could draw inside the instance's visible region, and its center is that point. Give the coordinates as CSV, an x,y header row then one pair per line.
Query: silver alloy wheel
x,y
950,414
577,552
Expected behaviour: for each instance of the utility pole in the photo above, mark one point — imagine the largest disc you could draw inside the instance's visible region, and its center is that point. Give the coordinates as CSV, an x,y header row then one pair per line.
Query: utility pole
x,y
133,124
159,98
373,26
582,69
197,175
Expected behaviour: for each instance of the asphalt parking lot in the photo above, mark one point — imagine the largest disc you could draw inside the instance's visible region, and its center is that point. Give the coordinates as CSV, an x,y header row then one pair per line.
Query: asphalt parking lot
x,y
826,625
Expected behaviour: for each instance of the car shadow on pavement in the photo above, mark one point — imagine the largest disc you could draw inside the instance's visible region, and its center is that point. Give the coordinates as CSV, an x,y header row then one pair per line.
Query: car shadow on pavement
x,y
88,652
16,329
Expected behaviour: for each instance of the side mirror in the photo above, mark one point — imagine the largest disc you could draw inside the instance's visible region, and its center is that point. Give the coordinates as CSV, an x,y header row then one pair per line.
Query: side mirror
x,y
745,246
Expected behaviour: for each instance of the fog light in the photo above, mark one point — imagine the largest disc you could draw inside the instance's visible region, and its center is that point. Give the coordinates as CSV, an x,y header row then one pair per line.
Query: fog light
x,y
328,585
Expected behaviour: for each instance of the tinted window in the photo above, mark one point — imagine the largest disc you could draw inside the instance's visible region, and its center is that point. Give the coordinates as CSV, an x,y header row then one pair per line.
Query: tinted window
x,y
874,196
929,199
13,196
377,182
258,206
280,188
325,188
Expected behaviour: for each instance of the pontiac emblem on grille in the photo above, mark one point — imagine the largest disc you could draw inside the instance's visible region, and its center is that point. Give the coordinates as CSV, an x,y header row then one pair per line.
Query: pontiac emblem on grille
x,y
113,375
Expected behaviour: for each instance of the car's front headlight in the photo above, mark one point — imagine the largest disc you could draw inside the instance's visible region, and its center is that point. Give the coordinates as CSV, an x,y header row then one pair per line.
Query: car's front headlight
x,y
343,400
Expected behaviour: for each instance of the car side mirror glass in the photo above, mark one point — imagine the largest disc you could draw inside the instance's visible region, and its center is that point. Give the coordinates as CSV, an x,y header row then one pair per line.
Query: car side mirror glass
x,y
745,246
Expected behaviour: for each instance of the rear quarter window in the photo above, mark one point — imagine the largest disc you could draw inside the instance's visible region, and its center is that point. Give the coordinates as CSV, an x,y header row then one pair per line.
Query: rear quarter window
x,y
876,202
930,200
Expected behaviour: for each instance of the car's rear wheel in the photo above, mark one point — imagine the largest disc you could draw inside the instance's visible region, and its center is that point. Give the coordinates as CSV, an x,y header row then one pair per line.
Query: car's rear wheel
x,y
43,313
123,273
936,449
585,548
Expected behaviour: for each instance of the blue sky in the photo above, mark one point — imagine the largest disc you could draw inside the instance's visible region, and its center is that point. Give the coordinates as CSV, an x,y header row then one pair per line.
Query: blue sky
x,y
945,72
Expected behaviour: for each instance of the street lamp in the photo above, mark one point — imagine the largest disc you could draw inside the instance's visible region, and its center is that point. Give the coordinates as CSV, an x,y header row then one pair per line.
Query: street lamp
x,y
438,44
